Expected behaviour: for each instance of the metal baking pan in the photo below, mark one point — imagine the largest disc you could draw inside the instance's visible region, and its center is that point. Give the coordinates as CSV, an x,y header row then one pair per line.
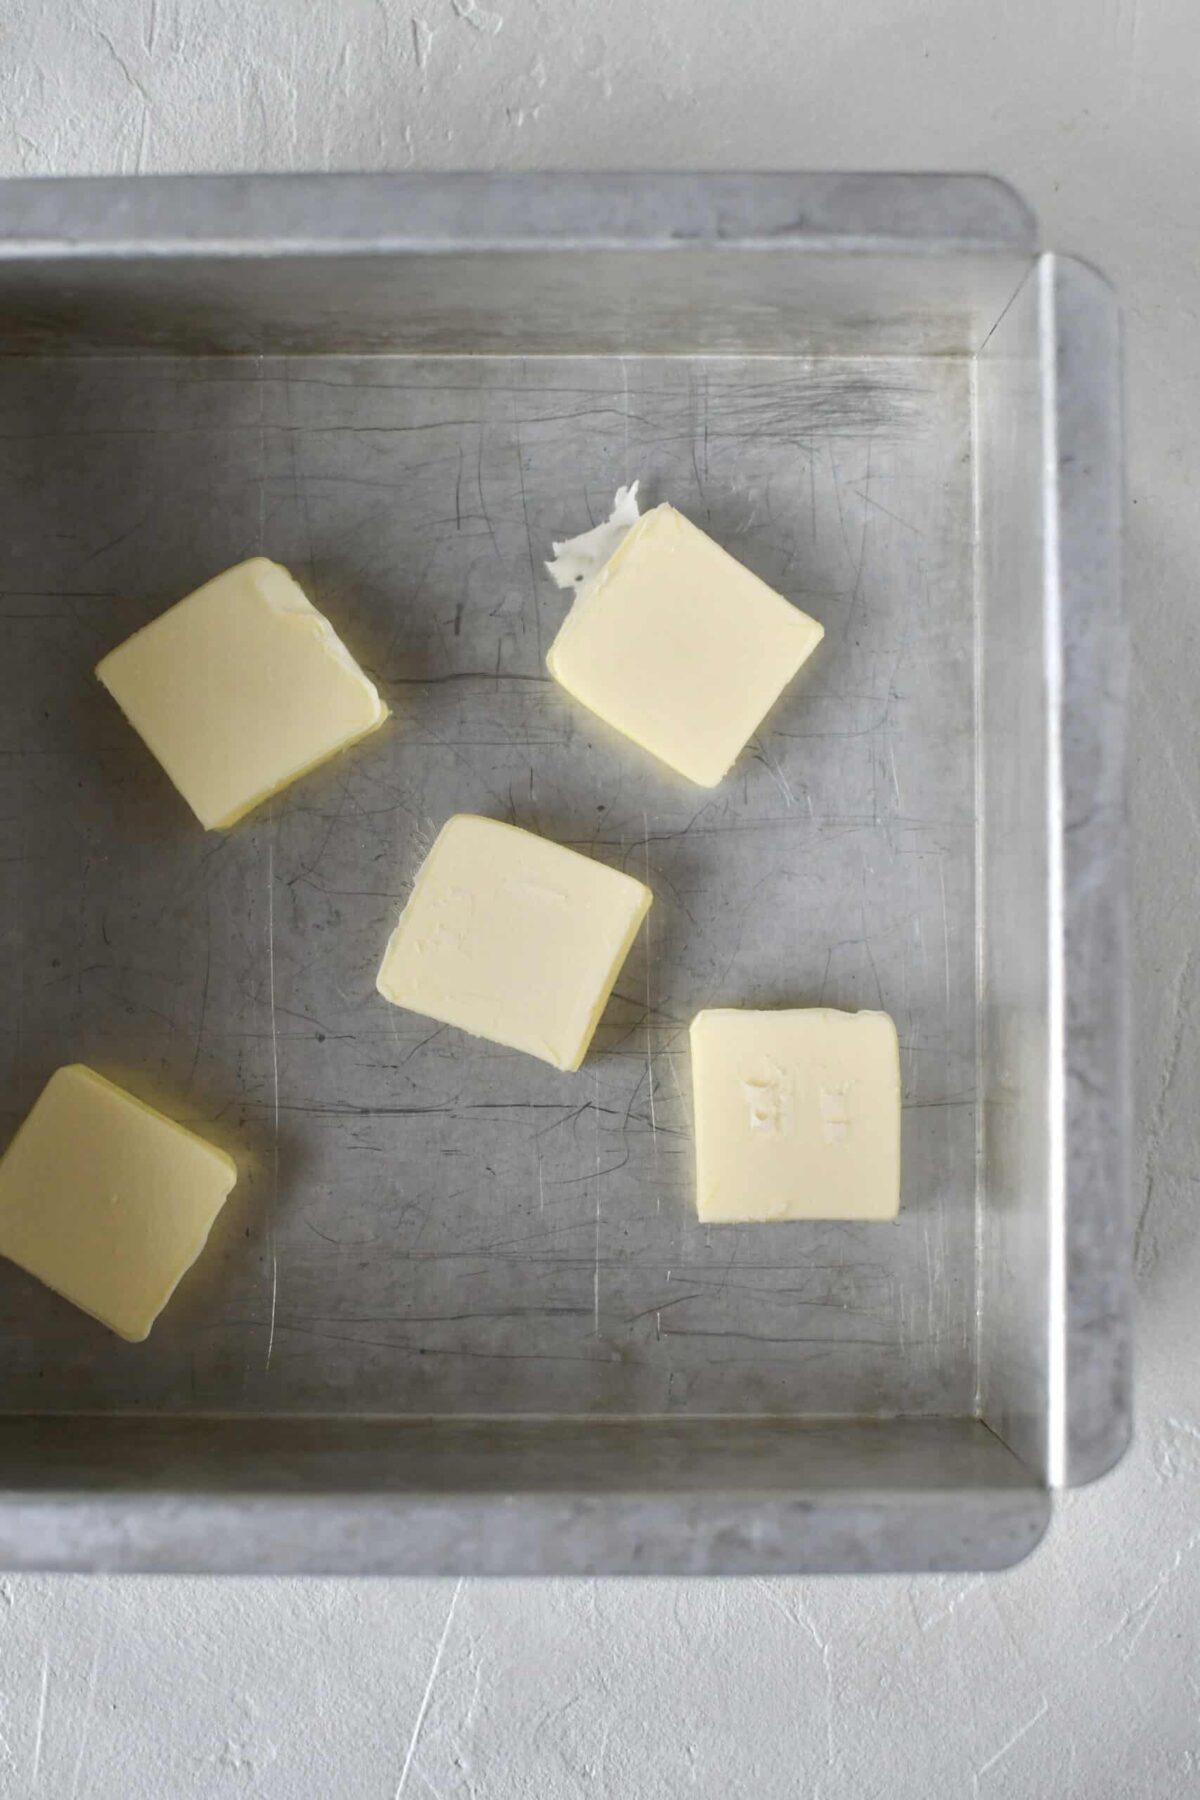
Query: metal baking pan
x,y
459,1314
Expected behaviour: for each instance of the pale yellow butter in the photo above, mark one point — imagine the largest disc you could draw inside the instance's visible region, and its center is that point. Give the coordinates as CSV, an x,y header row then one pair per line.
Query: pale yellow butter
x,y
513,938
677,645
106,1201
797,1115
240,688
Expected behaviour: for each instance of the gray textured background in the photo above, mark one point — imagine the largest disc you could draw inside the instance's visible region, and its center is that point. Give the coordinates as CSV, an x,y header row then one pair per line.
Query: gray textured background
x,y
1076,1674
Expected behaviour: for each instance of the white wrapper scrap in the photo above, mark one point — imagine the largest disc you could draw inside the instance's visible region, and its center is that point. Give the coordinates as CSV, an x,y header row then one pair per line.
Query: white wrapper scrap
x,y
577,559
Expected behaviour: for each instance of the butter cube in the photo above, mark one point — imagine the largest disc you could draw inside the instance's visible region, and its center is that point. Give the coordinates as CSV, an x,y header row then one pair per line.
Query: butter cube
x,y
797,1115
677,645
513,938
240,688
106,1201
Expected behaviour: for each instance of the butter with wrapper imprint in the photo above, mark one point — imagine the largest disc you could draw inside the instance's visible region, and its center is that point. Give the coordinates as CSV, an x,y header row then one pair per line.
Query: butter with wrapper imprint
x,y
513,938
797,1115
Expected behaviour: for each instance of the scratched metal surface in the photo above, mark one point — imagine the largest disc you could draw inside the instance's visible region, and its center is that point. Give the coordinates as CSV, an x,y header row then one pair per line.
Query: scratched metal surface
x,y
425,1223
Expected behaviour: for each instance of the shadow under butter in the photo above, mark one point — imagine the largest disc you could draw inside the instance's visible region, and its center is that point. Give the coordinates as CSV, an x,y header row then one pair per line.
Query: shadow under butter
x,y
224,1283
232,1283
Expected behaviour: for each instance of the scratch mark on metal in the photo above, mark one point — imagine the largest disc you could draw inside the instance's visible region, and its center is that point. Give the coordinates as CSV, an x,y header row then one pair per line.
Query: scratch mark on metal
x,y
596,1248
275,1089
895,779
429,1686
866,495
670,1055
533,568
775,772
945,929
262,454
